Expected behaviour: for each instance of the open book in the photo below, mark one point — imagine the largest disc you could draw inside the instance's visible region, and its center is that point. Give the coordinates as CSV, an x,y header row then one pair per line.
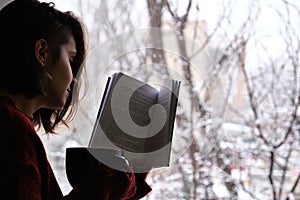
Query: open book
x,y
137,119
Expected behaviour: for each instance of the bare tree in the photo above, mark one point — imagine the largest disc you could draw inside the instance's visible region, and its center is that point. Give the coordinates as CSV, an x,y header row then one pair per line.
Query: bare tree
x,y
273,135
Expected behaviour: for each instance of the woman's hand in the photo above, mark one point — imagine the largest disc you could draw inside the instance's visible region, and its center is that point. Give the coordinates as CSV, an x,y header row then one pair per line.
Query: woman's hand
x,y
115,182
119,184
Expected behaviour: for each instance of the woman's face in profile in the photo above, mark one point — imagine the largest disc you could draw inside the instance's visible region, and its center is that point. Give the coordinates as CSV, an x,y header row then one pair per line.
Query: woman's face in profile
x,y
62,76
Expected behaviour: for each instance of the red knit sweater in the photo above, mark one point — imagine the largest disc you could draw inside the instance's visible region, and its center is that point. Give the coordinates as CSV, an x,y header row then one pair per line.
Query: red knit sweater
x,y
26,173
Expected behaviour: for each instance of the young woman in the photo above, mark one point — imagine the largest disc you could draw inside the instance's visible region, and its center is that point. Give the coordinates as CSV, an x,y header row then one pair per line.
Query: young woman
x,y
41,51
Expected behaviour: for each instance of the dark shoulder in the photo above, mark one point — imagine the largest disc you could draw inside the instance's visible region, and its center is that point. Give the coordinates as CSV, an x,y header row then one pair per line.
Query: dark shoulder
x,y
18,132
12,119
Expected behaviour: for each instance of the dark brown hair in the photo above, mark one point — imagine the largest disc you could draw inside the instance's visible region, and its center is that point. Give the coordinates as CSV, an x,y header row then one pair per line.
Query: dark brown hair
x,y
22,23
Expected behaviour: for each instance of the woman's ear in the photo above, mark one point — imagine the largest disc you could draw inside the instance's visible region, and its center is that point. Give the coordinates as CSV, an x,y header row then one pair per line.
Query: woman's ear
x,y
41,51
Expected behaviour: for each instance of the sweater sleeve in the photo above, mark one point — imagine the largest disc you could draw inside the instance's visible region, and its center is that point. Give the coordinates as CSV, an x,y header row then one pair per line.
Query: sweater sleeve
x,y
109,184
21,173
142,186
26,173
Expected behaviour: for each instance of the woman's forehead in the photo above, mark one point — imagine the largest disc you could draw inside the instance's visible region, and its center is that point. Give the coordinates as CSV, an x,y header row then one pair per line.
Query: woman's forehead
x,y
71,45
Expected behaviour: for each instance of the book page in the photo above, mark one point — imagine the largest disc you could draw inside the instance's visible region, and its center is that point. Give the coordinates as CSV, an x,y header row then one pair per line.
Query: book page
x,y
160,144
160,139
124,119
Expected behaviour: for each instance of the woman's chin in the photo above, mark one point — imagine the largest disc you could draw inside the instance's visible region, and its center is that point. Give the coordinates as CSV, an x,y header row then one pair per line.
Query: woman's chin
x,y
57,105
